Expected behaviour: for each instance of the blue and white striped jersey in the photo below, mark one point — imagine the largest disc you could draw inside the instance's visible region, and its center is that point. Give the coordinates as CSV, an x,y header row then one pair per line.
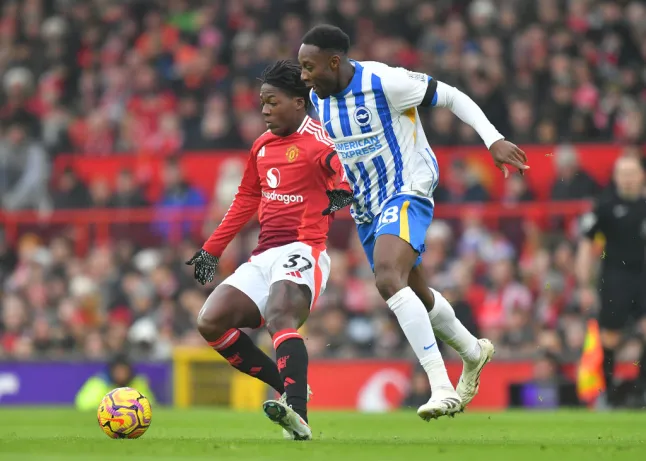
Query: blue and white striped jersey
x,y
378,135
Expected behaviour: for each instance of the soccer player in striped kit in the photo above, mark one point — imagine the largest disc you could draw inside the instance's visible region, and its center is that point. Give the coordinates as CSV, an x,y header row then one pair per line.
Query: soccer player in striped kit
x,y
370,111
291,176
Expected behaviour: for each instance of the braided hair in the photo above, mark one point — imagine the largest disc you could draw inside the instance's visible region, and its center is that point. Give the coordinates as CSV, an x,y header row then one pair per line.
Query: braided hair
x,y
286,76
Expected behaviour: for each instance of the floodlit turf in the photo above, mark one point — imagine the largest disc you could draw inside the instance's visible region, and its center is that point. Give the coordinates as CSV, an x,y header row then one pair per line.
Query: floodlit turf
x,y
63,434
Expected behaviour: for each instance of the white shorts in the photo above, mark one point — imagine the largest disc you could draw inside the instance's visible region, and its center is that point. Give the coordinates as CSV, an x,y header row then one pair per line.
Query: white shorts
x,y
296,262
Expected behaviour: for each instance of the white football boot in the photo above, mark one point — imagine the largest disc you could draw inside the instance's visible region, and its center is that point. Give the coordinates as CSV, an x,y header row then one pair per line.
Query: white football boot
x,y
470,379
444,402
283,399
282,414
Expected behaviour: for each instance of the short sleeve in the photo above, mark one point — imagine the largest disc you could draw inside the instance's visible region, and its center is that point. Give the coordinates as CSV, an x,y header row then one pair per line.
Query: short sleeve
x,y
404,88
592,222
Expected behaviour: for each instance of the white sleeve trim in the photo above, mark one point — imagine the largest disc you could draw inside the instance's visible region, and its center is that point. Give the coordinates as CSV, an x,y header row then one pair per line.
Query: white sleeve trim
x,y
468,111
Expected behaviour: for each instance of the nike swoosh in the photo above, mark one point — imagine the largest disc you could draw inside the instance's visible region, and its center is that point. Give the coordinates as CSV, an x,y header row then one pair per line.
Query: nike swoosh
x,y
428,347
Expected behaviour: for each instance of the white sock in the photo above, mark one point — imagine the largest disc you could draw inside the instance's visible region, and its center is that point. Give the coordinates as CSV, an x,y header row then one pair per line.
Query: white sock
x,y
414,321
449,329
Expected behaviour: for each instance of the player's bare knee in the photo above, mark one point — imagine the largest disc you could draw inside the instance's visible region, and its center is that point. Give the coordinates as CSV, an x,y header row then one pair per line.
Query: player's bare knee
x,y
282,317
282,321
213,322
389,279
287,307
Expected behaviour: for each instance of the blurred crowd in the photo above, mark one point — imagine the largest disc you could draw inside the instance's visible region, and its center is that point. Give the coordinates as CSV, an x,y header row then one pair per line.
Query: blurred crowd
x,y
511,280
156,78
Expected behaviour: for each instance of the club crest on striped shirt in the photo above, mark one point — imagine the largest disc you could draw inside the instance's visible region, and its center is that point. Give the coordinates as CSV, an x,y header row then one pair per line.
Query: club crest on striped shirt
x,y
362,116
292,153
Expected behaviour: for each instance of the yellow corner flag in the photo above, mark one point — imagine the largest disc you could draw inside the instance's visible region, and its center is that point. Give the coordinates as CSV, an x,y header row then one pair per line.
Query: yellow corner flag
x,y
590,381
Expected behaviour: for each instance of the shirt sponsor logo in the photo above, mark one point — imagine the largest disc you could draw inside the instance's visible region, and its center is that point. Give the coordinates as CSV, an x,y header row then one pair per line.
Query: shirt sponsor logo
x,y
273,181
359,147
273,177
285,198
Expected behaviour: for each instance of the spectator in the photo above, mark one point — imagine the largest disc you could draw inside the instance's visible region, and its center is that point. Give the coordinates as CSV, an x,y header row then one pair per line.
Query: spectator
x,y
127,194
522,121
23,169
506,297
571,182
8,258
18,86
100,193
463,184
516,191
70,192
176,195
419,390
189,110
119,373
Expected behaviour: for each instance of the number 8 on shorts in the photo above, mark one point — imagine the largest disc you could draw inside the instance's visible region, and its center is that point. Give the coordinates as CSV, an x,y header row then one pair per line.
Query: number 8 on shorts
x,y
406,216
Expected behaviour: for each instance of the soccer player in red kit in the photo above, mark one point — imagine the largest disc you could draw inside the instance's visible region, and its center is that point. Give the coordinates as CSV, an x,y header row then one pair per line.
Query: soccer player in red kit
x,y
289,180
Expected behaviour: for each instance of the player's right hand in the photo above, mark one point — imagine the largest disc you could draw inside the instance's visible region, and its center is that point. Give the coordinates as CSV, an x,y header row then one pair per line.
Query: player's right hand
x,y
505,153
205,264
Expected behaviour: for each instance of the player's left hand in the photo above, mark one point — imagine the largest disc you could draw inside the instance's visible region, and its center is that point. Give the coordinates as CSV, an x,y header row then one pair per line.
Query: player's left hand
x,y
339,198
506,153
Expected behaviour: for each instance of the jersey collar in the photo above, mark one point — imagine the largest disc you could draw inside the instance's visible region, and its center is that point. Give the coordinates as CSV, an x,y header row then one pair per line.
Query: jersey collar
x,y
306,120
355,83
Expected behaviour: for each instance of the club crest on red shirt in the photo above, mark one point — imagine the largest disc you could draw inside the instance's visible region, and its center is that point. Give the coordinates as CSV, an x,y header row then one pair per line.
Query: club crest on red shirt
x,y
292,153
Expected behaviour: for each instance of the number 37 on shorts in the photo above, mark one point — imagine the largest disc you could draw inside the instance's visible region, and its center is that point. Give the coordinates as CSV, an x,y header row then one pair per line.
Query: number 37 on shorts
x,y
406,216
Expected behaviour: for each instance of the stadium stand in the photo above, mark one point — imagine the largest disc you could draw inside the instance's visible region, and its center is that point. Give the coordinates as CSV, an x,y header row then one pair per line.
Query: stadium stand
x,y
116,97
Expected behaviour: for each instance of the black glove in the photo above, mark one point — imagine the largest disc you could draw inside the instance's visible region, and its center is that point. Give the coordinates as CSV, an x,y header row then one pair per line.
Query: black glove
x,y
339,198
205,265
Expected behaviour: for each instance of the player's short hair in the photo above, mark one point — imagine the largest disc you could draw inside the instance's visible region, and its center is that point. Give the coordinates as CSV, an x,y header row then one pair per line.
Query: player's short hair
x,y
328,37
286,75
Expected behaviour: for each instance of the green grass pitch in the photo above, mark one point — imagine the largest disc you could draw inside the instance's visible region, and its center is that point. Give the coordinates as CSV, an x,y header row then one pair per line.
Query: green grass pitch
x,y
201,434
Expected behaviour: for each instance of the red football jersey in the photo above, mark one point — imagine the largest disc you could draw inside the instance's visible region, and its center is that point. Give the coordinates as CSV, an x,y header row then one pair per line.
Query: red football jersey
x,y
285,182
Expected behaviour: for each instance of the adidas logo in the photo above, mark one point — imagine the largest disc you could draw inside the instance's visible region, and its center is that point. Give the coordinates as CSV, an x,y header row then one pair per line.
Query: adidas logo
x,y
452,402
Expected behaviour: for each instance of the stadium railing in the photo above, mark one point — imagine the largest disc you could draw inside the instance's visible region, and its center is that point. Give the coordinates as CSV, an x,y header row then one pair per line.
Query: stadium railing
x,y
155,226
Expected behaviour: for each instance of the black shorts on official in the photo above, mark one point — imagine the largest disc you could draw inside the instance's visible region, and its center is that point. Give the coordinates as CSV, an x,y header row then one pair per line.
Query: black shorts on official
x,y
622,298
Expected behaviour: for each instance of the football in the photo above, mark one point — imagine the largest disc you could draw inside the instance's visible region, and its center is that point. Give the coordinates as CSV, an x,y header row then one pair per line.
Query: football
x,y
124,413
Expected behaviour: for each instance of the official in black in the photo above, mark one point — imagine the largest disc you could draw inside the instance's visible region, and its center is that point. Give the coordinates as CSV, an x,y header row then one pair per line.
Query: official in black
x,y
620,215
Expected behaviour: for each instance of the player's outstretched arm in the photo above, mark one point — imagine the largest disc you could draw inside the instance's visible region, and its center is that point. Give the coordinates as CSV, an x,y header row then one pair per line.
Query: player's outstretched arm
x,y
244,206
406,89
503,152
341,196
